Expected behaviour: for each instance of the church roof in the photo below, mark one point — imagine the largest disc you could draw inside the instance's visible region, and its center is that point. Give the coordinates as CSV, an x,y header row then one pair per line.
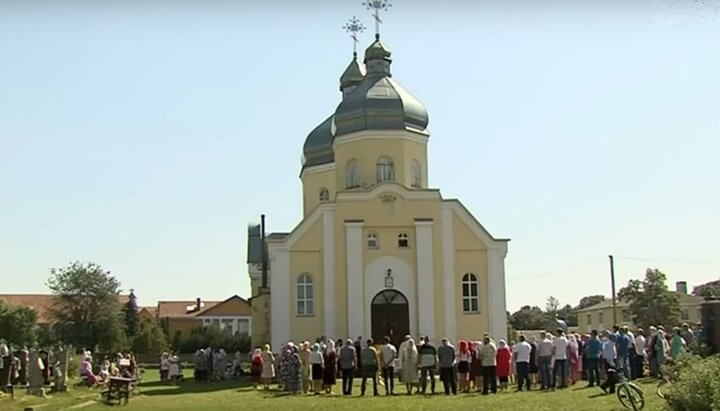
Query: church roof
x,y
318,145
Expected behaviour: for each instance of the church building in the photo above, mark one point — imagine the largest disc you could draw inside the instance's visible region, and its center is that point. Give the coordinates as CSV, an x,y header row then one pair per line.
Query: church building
x,y
378,252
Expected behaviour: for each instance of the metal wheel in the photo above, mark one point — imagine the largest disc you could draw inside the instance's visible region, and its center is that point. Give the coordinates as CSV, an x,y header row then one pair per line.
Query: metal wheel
x,y
663,388
631,396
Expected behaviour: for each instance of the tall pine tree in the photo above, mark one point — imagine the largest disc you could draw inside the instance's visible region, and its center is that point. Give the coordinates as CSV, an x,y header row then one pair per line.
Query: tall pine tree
x,y
130,315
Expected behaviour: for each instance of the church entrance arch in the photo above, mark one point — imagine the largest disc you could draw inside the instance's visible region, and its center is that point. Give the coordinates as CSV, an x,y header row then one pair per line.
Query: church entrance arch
x,y
390,316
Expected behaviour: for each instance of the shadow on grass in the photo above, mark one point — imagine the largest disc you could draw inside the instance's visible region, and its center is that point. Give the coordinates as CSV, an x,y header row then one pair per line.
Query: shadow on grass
x,y
157,388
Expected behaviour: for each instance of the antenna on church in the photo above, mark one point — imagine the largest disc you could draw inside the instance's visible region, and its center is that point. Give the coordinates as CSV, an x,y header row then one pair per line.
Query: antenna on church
x,y
353,27
377,5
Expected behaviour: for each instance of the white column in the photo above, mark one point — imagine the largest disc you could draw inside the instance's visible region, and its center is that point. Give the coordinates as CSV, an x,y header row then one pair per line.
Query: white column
x,y
280,296
355,287
449,299
329,271
496,291
425,283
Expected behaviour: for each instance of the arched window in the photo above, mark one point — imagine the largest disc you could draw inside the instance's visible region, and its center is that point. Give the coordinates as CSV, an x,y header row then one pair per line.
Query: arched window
x,y
470,293
385,169
305,295
372,241
324,194
403,241
415,174
352,177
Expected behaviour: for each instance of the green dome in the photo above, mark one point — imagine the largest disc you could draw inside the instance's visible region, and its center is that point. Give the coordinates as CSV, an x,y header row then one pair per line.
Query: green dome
x,y
379,102
353,75
377,51
318,149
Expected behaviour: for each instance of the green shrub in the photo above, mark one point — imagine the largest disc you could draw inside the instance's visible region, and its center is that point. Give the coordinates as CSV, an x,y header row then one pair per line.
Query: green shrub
x,y
695,385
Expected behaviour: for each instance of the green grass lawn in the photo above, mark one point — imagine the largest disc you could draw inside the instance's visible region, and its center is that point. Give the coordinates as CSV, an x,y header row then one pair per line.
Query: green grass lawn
x,y
232,395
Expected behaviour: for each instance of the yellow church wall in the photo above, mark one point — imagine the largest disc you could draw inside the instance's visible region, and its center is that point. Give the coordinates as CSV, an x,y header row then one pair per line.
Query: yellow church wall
x,y
306,257
314,181
464,237
367,152
472,325
306,327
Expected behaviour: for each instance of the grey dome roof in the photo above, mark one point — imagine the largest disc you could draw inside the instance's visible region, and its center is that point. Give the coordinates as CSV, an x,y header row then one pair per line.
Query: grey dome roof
x,y
379,102
318,145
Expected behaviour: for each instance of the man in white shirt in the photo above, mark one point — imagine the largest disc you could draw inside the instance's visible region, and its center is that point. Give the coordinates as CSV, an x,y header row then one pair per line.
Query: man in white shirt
x,y
388,352
521,354
560,345
639,353
544,359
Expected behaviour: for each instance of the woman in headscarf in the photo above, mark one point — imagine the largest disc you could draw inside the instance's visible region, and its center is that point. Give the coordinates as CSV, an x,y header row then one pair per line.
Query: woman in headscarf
x,y
476,376
294,371
661,349
463,368
268,367
677,344
256,367
306,367
317,362
503,357
573,356
285,355
330,370
410,366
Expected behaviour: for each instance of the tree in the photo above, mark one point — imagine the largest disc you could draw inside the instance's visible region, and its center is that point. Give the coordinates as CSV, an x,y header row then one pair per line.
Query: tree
x,y
590,300
552,306
150,338
651,303
18,324
87,310
567,314
130,315
201,337
529,318
711,289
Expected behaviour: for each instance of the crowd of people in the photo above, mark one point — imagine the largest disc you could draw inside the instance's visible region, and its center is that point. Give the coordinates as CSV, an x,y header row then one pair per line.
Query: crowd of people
x,y
547,362
120,365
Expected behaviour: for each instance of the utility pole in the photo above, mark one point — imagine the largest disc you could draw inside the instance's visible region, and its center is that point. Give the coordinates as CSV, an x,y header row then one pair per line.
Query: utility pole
x,y
612,280
265,256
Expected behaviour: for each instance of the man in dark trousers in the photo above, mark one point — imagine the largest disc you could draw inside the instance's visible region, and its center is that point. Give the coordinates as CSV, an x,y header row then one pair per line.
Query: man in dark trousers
x,y
448,375
347,363
428,363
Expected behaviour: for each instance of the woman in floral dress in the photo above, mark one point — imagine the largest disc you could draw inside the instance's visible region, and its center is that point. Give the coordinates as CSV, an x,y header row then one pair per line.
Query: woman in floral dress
x,y
330,370
294,371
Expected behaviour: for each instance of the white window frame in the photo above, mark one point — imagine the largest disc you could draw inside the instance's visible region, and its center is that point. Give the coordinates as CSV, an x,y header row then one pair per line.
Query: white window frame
x,y
305,282
373,243
385,168
470,279
403,237
352,178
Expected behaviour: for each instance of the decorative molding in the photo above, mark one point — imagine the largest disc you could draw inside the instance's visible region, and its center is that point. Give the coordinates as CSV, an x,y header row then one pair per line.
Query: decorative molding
x,y
387,198
417,137
389,187
317,169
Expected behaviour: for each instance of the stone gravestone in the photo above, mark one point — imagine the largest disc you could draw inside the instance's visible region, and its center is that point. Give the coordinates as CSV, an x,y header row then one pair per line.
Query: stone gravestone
x,y
62,356
35,377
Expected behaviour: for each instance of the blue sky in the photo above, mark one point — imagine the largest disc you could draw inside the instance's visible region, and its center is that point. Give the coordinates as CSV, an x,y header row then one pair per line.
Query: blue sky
x,y
145,135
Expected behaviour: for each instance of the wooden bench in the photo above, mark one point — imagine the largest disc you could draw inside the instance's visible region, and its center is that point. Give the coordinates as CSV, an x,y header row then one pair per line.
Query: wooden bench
x,y
118,389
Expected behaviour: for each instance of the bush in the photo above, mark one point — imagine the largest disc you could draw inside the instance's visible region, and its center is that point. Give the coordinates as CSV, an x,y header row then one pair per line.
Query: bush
x,y
695,385
202,337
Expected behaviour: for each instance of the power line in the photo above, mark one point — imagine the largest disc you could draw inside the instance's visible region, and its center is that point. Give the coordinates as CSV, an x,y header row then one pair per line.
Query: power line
x,y
671,261
556,272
